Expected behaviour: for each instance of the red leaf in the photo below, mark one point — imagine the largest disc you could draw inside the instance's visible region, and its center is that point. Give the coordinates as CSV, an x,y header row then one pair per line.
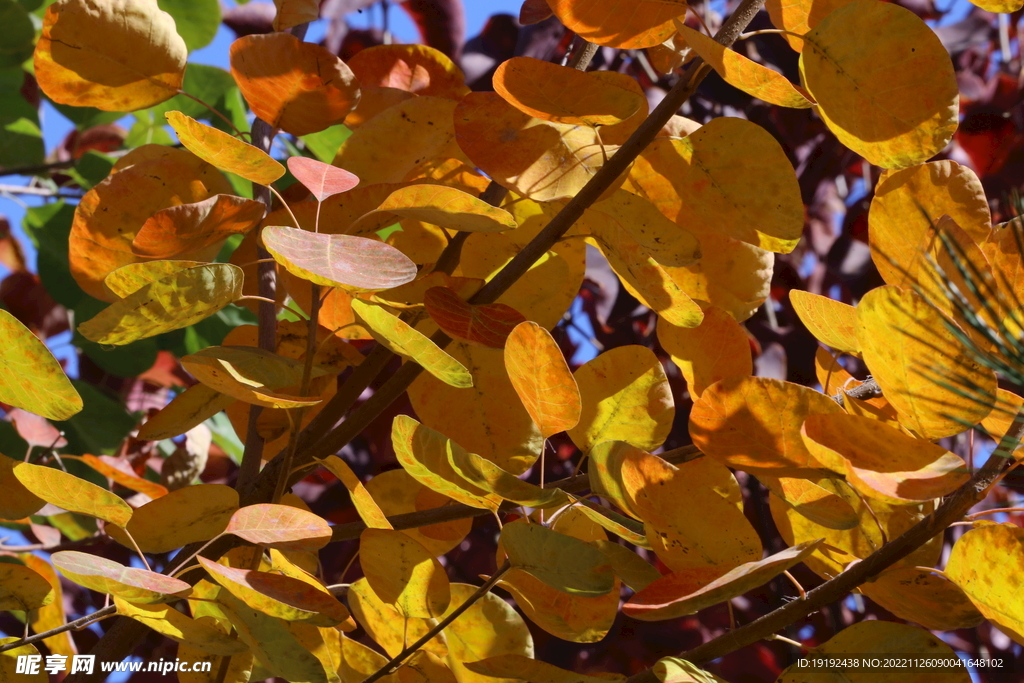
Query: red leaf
x,y
323,180
487,325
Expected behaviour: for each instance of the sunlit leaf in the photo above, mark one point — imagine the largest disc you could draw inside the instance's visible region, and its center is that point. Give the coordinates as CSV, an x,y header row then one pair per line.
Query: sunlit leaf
x,y
9,663
189,515
357,263
831,322
188,228
250,374
50,616
73,494
518,666
489,477
565,95
323,180
293,85
560,561
386,626
107,466
675,670
397,492
881,461
30,377
896,104
747,75
626,24
882,639
279,526
541,378
138,586
898,331
626,397
416,69
403,573
486,324
279,596
294,12
22,588
224,151
677,595
17,502
488,628
799,16
447,207
178,300
986,563
118,56
718,348
199,633
754,422
812,500
926,597
405,340
362,500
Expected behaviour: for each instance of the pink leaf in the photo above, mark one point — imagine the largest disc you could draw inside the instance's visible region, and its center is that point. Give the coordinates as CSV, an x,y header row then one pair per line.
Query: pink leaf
x,y
323,180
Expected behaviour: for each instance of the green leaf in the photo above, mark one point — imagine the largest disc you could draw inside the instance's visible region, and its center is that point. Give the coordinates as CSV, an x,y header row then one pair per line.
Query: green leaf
x,y
325,144
214,86
562,562
49,227
17,36
101,425
92,168
195,20
20,145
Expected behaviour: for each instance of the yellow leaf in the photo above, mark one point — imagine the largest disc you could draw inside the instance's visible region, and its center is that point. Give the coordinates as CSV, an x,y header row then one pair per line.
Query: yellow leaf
x,y
799,16
423,453
881,461
120,55
560,561
911,354
367,508
487,419
541,378
987,563
279,595
134,276
843,546
881,639
447,207
51,615
296,86
626,398
626,24
186,410
239,667
909,203
73,494
9,662
718,348
389,629
279,526
189,515
897,104
675,670
199,633
813,499
30,377
489,627
679,594
563,94
634,571
702,183
605,470
832,322
22,588
392,144
673,501
404,340
171,303
753,423
397,493
489,477
17,502
224,151
525,668
925,597
660,238
250,374
403,574
139,586
742,73
358,662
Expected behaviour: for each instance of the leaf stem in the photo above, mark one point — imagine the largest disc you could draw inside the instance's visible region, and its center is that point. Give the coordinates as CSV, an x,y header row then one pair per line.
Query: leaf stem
x,y
397,660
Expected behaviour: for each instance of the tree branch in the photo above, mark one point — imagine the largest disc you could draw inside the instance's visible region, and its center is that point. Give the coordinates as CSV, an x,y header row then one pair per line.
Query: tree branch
x,y
951,510
70,626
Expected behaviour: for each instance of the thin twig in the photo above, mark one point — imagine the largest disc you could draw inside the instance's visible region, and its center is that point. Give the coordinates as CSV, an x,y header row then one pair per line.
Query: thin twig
x,y
397,660
70,626
583,52
38,191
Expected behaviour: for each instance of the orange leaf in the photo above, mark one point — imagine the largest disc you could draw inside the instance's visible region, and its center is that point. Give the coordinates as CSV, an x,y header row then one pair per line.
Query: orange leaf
x,y
625,24
357,263
120,55
487,324
831,322
279,526
323,180
104,466
881,461
224,151
542,379
749,76
416,69
718,348
298,87
191,228
754,422
565,95
800,16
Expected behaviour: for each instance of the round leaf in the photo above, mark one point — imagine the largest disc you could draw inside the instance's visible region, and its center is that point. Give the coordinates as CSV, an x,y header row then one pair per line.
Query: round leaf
x,y
626,24
486,324
30,377
403,573
987,563
541,378
23,589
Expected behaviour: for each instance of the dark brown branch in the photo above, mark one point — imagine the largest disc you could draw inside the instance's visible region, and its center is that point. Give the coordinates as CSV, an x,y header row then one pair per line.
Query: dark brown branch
x,y
951,510
70,626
